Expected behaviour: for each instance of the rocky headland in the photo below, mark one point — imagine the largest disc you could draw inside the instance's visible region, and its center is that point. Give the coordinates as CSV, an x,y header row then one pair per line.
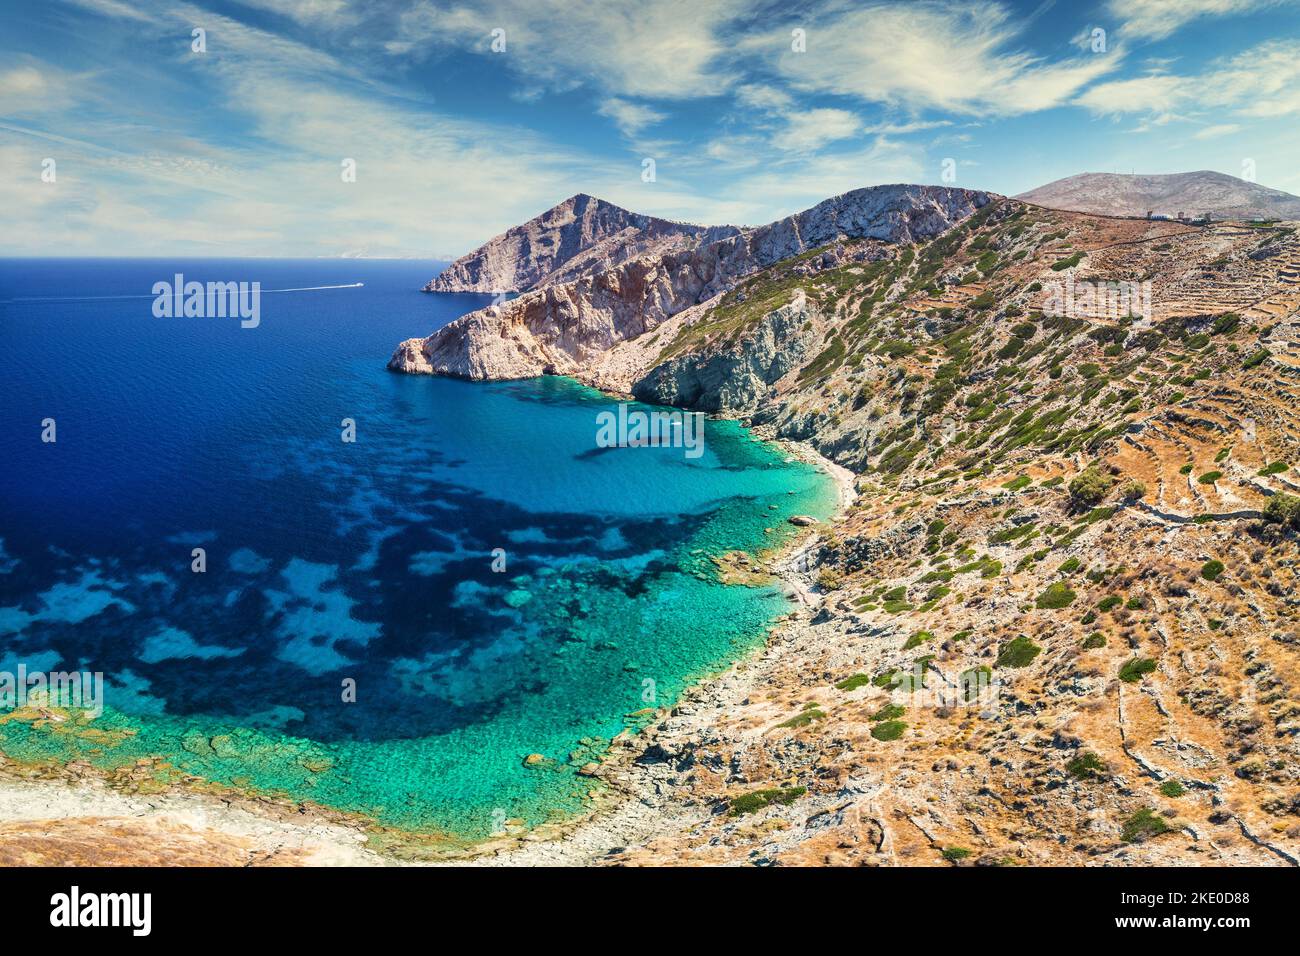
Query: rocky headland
x,y
1057,623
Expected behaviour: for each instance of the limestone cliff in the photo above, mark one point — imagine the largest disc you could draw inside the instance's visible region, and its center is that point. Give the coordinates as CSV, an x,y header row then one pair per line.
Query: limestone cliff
x,y
738,376
564,327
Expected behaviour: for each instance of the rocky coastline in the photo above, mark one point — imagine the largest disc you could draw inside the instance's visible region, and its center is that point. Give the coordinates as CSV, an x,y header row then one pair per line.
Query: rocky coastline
x,y
76,814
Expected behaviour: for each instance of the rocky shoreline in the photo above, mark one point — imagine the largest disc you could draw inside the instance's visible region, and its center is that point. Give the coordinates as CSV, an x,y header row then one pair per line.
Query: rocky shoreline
x,y
70,815
645,798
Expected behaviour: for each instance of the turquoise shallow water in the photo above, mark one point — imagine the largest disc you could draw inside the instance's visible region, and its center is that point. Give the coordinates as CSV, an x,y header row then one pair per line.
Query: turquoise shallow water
x,y
367,562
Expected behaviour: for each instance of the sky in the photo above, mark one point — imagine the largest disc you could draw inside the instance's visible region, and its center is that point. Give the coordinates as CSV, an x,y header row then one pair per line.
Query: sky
x,y
421,128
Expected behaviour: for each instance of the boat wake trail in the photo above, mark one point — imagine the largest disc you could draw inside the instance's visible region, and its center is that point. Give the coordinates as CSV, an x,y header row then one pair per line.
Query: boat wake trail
x,y
102,298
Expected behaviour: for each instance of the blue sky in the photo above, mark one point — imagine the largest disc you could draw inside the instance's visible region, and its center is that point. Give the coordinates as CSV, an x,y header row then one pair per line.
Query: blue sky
x,y
238,150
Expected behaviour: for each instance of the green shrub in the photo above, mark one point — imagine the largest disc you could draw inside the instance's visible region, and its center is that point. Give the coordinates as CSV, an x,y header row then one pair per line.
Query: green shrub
x,y
1068,566
1090,486
1094,640
1086,766
1110,601
1284,509
1015,484
1018,652
1067,263
1211,570
1276,468
1226,323
761,799
954,853
1133,670
1057,595
888,730
1143,825
1255,358
853,682
1210,477
804,718
1172,788
889,712
917,639
1132,490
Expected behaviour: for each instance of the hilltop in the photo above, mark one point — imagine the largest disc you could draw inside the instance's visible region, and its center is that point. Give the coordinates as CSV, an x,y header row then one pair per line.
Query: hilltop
x,y
582,234
1190,195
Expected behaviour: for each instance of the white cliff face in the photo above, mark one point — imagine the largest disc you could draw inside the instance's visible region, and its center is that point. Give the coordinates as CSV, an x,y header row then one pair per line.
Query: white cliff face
x,y
563,327
580,235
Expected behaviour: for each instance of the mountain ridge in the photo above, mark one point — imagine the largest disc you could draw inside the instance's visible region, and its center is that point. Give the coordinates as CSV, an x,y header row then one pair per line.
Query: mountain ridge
x,y
579,234
1168,195
561,327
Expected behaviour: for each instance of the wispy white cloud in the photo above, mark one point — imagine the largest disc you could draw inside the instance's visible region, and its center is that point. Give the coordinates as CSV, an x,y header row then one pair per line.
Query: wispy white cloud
x,y
762,97
810,130
1219,129
1158,19
932,56
34,87
669,49
425,182
117,9
313,13
629,117
1261,82
1158,93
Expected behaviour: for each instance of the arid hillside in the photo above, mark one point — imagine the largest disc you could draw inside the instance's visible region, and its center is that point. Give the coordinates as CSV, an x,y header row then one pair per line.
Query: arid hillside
x,y
1059,622
1057,625
1192,195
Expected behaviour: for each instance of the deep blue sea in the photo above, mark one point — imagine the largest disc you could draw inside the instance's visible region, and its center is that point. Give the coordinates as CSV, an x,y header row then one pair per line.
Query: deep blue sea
x,y
330,562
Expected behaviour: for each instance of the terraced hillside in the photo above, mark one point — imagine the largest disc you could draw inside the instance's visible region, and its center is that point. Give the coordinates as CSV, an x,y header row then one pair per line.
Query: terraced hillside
x,y
1058,623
